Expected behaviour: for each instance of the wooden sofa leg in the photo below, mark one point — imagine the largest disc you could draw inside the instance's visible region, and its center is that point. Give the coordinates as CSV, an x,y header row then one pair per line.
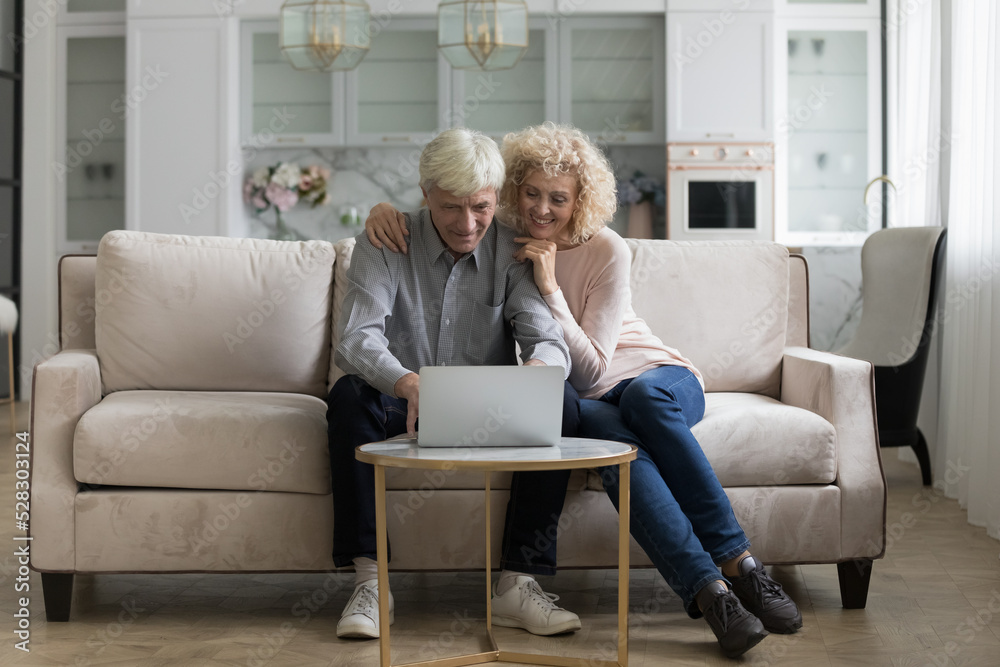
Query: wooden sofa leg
x,y
923,458
855,576
57,589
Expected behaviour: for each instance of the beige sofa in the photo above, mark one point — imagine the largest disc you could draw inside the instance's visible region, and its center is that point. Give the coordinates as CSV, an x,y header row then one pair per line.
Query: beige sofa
x,y
182,426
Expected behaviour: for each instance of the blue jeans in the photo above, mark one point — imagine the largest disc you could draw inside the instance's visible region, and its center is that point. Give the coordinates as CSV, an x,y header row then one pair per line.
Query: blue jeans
x,y
679,514
357,413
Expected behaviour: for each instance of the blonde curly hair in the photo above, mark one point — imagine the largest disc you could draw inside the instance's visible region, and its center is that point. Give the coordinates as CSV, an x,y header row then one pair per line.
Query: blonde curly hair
x,y
559,150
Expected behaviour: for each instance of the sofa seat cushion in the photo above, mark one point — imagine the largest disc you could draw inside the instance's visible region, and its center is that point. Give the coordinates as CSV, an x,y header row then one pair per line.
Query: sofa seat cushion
x,y
753,440
205,440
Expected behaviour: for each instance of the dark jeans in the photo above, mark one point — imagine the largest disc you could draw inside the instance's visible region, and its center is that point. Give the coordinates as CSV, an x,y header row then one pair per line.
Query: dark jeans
x,y
680,515
358,413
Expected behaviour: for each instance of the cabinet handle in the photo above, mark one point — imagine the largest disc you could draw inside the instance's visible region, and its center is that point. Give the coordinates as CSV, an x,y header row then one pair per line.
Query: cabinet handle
x,y
291,140
875,180
694,152
406,139
720,134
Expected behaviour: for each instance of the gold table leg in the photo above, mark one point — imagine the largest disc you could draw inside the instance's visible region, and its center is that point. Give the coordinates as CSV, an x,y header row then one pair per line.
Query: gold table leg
x,y
623,572
10,367
489,573
624,471
381,544
495,654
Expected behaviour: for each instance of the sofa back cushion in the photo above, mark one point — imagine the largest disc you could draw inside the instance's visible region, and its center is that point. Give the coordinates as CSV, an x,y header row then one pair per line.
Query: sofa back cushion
x,y
722,304
76,301
344,248
213,314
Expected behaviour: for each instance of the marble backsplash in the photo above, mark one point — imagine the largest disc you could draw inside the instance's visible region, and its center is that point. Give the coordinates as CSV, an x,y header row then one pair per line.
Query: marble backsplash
x,y
834,295
363,177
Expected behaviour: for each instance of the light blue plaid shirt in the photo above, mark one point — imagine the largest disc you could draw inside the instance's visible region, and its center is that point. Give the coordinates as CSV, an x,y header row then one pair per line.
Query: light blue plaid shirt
x,y
424,308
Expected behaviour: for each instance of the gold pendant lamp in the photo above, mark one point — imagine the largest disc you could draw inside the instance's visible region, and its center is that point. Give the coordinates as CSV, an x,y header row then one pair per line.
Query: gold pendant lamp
x,y
325,35
486,35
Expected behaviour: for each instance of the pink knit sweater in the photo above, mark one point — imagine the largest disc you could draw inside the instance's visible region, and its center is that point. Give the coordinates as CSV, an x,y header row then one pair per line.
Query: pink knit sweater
x,y
607,341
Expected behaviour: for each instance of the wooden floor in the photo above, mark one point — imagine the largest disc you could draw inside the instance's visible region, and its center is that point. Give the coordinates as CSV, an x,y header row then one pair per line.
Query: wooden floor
x,y
934,600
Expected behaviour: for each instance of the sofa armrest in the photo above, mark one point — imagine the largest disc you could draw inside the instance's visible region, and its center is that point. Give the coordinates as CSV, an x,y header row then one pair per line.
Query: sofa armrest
x,y
842,391
62,389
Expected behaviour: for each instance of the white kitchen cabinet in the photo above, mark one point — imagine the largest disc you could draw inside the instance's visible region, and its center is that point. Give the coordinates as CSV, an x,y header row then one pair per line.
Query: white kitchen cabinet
x,y
603,75
399,93
295,107
611,78
720,5
719,76
386,10
179,8
829,8
829,129
506,100
401,90
91,111
181,85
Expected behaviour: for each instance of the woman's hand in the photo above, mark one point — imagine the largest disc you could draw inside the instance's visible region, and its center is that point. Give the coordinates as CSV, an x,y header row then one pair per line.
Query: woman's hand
x,y
543,258
387,225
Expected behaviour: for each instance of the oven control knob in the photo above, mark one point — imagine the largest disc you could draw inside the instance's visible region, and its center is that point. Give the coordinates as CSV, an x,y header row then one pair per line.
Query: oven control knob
x,y
694,152
749,152
722,152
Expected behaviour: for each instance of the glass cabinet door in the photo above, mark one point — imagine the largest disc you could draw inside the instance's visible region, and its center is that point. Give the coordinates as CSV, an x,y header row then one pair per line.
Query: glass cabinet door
x,y
296,106
615,92
393,95
90,163
507,100
829,132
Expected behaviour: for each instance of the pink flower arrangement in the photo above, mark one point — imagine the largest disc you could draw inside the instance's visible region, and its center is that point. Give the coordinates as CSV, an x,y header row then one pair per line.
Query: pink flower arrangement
x,y
284,184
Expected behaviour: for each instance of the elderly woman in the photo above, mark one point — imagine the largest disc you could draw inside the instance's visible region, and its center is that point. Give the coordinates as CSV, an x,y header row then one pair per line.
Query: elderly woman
x,y
559,194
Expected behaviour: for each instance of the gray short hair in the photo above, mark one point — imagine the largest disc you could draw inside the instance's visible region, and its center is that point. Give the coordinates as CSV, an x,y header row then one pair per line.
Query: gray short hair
x,y
461,162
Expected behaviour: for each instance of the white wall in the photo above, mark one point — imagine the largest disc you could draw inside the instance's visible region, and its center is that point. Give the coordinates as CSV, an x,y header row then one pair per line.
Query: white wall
x,y
39,334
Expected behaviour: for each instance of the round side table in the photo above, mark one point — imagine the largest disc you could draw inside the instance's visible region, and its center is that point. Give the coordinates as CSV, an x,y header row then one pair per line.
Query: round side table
x,y
569,454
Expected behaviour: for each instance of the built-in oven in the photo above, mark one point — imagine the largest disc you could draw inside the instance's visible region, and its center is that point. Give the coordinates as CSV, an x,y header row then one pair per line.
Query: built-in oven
x,y
720,191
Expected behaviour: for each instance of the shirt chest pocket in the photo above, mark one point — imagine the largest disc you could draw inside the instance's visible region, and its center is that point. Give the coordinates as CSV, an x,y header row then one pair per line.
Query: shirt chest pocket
x,y
487,336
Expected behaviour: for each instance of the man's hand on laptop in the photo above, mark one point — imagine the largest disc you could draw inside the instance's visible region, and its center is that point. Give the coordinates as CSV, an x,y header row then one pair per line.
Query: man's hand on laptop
x,y
535,362
408,388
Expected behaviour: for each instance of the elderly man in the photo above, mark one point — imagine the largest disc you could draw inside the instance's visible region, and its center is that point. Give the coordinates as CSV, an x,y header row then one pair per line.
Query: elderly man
x,y
458,297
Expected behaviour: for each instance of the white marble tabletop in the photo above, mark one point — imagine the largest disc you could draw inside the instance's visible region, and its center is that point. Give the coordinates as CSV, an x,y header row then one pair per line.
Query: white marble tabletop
x,y
569,453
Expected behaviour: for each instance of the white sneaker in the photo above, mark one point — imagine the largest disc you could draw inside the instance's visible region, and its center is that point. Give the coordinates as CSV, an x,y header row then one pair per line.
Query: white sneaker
x,y
360,617
525,605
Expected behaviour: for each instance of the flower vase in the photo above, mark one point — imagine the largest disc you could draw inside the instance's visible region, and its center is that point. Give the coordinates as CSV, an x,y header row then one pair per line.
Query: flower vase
x,y
282,232
640,220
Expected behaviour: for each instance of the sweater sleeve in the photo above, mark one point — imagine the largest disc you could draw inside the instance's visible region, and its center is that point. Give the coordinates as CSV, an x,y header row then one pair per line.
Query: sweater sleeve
x,y
592,341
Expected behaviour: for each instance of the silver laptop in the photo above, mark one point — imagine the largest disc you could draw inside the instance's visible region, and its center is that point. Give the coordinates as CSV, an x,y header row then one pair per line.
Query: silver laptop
x,y
490,406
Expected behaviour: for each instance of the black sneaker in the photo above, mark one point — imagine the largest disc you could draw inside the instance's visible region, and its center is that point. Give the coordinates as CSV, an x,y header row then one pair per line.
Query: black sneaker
x,y
737,630
764,598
